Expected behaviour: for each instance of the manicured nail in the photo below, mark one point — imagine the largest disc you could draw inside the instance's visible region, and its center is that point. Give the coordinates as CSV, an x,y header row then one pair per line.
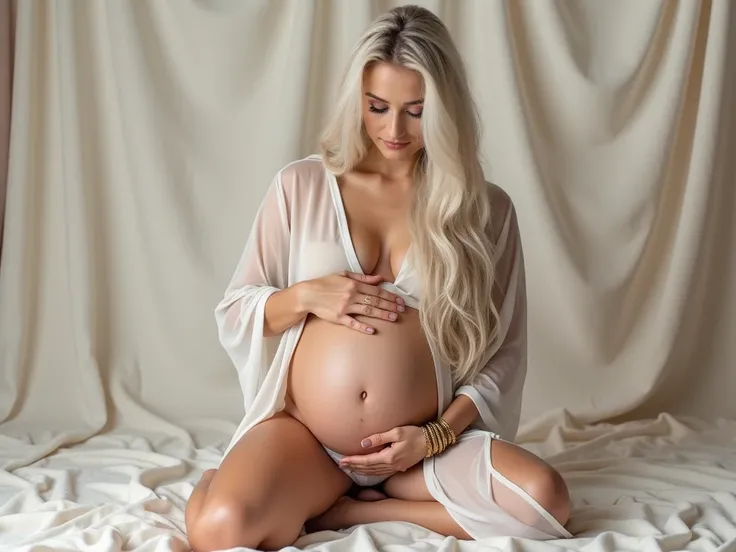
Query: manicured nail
x,y
392,316
400,308
370,330
365,443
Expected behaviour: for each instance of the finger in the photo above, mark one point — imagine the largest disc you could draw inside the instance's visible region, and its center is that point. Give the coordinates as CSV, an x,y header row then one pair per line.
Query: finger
x,y
367,460
366,310
354,324
384,469
379,439
380,297
367,278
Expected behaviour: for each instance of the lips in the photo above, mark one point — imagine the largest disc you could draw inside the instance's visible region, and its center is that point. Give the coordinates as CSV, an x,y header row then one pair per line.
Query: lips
x,y
395,145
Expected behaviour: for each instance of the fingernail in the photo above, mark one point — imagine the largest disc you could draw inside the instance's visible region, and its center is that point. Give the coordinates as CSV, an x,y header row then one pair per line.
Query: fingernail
x,y
392,316
365,443
370,330
400,308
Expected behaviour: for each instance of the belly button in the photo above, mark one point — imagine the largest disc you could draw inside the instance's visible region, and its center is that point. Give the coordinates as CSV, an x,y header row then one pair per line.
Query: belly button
x,y
363,395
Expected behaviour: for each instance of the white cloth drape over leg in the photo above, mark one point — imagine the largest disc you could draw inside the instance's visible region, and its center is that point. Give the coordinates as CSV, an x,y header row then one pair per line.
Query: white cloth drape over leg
x,y
482,500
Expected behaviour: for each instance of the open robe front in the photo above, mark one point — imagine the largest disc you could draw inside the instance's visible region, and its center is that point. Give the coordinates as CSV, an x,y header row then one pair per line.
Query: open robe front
x,y
300,233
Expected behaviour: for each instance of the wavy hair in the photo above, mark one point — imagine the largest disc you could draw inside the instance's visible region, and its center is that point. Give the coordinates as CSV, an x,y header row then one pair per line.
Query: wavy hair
x,y
451,213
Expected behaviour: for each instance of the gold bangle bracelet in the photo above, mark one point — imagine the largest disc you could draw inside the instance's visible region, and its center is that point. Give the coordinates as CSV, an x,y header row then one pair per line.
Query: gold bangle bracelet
x,y
450,432
427,441
433,437
438,435
436,449
441,436
444,440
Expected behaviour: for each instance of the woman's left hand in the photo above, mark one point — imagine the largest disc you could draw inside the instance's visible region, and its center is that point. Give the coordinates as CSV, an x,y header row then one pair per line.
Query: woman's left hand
x,y
406,448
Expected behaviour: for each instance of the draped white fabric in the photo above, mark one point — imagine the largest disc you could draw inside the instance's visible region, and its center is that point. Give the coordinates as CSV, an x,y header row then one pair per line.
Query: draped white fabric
x,y
145,134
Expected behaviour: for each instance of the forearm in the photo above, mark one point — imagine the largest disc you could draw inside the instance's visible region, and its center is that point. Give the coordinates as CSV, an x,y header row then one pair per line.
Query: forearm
x,y
283,310
460,414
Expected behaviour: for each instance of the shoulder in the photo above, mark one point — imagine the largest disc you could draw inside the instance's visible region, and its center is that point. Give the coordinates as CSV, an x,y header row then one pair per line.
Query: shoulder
x,y
503,211
501,201
298,182
302,175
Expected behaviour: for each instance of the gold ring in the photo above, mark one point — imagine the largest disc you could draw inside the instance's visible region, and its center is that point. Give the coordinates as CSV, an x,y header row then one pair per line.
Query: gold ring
x,y
367,299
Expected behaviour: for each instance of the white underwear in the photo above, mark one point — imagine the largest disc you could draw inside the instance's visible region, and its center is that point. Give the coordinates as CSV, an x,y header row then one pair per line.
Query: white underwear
x,y
359,479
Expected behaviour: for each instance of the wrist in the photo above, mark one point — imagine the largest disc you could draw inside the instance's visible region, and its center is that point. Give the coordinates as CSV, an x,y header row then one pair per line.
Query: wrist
x,y
461,413
301,298
438,436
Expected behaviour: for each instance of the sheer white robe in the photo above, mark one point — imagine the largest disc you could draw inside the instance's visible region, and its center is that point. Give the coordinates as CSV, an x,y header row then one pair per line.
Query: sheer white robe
x,y
301,232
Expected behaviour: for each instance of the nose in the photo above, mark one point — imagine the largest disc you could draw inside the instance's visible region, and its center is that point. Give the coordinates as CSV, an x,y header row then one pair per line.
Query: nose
x,y
397,126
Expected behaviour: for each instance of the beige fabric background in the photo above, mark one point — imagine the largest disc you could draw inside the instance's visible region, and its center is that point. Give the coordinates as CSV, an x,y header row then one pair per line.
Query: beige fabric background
x,y
6,82
145,133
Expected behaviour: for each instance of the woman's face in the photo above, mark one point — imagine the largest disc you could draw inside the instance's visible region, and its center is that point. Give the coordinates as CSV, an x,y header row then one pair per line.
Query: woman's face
x,y
392,109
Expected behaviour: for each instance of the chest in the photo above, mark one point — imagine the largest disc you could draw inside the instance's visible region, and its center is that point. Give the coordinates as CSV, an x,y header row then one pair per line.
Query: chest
x,y
377,220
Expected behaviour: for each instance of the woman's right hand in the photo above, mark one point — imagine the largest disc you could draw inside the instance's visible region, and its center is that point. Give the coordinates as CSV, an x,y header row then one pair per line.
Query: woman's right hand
x,y
335,297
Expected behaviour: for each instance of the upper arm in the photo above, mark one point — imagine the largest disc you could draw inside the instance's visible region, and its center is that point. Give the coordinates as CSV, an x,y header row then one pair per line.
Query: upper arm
x,y
509,291
496,389
265,258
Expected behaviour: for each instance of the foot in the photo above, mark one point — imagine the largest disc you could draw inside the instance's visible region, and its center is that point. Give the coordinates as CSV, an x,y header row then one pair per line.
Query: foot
x,y
206,478
337,517
371,495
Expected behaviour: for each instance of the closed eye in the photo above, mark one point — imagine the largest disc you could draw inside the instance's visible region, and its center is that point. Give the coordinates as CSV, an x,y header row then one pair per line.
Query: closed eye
x,y
374,109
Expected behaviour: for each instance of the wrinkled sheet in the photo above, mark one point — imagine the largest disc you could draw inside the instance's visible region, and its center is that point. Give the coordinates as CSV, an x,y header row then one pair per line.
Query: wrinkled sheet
x,y
664,484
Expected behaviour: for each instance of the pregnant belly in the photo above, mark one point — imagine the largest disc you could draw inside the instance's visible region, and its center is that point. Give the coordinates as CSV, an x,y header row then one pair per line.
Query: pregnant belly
x,y
345,386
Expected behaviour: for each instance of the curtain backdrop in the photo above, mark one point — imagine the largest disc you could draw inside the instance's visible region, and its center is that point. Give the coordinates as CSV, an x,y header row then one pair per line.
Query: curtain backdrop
x,y
6,88
145,134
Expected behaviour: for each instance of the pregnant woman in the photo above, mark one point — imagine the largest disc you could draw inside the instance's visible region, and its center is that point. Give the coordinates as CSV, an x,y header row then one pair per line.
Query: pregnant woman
x,y
377,321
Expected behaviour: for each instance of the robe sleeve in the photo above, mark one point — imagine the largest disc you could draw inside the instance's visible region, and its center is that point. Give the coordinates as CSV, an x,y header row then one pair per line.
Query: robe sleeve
x,y
263,269
497,389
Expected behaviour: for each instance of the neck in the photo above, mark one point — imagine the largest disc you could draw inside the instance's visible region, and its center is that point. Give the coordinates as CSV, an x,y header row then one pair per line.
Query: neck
x,y
375,162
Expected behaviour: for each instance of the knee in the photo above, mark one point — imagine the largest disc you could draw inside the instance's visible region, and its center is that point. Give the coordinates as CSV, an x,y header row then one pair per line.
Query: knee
x,y
222,524
549,489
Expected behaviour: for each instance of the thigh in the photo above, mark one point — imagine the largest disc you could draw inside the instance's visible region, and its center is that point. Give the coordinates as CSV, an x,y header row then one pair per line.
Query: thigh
x,y
408,485
528,487
513,461
280,470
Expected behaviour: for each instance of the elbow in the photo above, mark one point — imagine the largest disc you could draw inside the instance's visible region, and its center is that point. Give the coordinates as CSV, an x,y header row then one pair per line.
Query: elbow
x,y
230,325
237,317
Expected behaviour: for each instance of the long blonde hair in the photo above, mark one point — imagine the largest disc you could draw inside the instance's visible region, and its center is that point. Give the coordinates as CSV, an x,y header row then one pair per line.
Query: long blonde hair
x,y
451,212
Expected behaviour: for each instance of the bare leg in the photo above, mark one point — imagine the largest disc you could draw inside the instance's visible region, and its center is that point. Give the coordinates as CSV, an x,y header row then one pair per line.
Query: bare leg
x,y
411,501
533,476
408,485
348,512
371,495
268,485
194,504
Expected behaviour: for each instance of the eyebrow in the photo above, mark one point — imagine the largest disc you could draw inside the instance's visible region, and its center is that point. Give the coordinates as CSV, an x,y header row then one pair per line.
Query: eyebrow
x,y
413,102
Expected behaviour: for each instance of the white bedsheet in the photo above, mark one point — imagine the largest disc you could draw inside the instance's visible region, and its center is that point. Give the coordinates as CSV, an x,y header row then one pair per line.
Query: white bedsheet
x,y
665,484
